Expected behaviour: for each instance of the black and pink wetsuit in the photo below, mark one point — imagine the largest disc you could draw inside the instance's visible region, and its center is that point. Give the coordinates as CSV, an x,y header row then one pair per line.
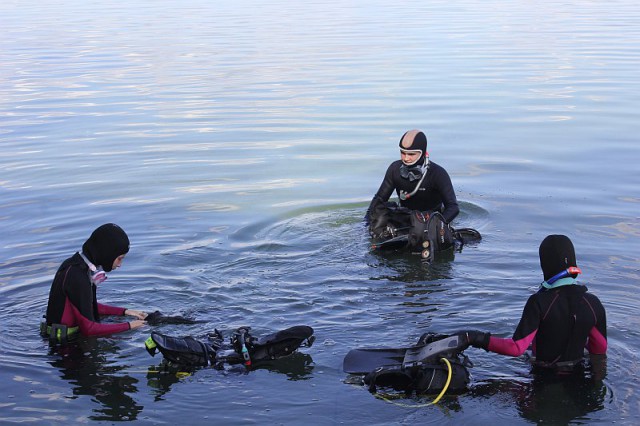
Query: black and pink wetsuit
x,y
558,324
72,301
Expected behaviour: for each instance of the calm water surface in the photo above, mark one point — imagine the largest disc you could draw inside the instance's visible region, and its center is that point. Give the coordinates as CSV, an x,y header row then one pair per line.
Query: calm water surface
x,y
238,144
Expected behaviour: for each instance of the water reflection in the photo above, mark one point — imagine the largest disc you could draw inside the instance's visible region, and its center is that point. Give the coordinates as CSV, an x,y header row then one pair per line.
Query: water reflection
x,y
409,268
85,364
550,398
161,377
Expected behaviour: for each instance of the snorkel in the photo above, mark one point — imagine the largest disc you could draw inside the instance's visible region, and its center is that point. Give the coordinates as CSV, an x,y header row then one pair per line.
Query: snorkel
x,y
574,270
404,195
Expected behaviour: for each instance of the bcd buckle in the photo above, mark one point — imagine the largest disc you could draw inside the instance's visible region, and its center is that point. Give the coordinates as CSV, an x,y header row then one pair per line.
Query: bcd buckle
x,y
59,332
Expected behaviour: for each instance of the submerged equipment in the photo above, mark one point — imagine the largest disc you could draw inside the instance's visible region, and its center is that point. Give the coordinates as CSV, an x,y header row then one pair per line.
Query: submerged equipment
x,y
393,227
243,348
435,366
57,333
158,318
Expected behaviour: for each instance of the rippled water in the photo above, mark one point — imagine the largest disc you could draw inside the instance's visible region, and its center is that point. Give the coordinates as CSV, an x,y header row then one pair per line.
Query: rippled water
x,y
239,144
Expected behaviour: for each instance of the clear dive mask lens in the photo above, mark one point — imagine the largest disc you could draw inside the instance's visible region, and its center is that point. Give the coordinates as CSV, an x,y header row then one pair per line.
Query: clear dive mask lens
x,y
411,173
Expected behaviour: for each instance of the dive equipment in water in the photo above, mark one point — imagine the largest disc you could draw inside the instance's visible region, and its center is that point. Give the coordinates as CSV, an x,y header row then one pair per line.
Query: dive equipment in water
x,y
393,228
158,318
363,360
419,368
240,341
392,243
242,348
59,333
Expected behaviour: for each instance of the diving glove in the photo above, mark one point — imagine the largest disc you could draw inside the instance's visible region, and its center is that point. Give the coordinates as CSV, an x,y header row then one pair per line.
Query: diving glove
x,y
477,339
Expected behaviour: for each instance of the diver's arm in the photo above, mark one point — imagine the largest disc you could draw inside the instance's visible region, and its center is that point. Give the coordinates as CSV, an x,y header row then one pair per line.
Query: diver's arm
x,y
597,343
448,195
115,310
524,334
510,346
92,328
384,192
387,186
110,310
79,292
597,340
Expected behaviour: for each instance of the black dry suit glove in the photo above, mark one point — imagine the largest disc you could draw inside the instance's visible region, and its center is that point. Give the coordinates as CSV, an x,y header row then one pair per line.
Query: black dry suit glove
x,y
477,339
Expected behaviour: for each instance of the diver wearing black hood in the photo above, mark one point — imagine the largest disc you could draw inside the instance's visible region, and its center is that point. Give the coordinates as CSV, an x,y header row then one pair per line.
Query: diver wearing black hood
x,y
420,184
73,306
560,320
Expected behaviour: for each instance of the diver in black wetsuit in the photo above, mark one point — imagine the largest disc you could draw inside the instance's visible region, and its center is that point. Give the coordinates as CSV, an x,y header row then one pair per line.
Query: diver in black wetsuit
x,y
420,183
559,321
427,203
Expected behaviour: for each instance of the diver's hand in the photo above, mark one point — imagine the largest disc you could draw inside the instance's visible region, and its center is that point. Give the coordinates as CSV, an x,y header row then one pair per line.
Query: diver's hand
x,y
136,324
477,339
138,314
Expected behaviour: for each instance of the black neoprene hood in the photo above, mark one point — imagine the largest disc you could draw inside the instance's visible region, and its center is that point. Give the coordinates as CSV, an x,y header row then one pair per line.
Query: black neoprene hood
x,y
414,140
556,255
105,244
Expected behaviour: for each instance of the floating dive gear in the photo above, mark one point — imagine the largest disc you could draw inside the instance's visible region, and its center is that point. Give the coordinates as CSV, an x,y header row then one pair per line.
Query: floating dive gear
x,y
158,318
425,233
243,348
241,345
436,364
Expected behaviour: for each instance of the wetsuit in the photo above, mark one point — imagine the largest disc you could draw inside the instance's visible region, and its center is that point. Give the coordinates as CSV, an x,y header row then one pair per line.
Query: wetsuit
x,y
435,194
72,301
559,323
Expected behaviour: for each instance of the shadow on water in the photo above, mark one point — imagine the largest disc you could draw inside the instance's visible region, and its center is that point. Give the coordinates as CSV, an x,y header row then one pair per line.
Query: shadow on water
x,y
85,364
